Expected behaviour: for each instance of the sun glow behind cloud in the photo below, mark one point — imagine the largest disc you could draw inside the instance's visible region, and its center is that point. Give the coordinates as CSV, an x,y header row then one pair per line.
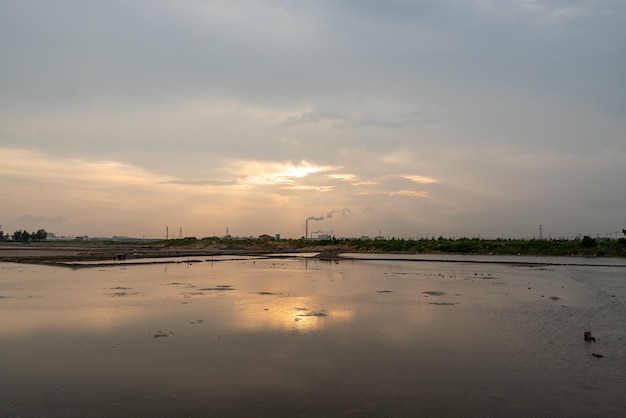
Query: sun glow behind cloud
x,y
276,173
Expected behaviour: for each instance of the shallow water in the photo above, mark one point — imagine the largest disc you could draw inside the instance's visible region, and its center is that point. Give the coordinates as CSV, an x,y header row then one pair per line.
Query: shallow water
x,y
307,337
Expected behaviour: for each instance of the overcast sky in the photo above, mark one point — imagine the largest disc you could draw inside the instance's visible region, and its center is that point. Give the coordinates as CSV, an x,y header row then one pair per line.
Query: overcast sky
x,y
409,118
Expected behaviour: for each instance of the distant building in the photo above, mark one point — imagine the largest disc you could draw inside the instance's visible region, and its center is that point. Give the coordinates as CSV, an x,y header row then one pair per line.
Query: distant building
x,y
265,237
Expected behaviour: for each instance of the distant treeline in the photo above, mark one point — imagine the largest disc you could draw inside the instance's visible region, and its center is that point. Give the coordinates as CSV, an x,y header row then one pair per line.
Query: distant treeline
x,y
25,236
585,246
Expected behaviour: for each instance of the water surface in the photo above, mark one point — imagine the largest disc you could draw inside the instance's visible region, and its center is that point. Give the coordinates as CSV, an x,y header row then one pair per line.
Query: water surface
x,y
307,337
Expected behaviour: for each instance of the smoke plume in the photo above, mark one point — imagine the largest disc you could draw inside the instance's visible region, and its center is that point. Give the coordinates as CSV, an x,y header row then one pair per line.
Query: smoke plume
x,y
344,212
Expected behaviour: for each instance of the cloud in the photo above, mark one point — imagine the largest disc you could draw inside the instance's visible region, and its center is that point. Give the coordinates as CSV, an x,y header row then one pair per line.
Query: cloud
x,y
372,116
344,177
421,179
409,193
189,182
447,114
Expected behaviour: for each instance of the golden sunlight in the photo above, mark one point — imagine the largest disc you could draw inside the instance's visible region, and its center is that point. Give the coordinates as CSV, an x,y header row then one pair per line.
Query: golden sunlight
x,y
290,313
271,173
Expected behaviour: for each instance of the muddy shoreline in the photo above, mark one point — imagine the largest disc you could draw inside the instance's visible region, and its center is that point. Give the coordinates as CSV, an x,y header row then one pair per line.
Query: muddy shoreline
x,y
66,253
94,254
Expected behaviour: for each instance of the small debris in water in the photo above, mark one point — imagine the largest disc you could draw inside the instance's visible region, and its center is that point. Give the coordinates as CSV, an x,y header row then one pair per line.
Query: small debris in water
x,y
589,337
434,293
384,291
597,355
161,334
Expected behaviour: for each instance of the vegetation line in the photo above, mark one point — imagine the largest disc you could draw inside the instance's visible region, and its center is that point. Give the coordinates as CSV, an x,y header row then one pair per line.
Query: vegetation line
x,y
56,252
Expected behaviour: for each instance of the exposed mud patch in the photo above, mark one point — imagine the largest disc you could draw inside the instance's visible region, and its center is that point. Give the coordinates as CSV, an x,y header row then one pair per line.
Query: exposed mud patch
x,y
220,288
190,294
434,293
161,334
317,314
187,285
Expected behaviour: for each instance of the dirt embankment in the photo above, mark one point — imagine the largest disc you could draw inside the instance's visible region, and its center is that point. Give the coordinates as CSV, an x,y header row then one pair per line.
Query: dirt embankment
x,y
57,252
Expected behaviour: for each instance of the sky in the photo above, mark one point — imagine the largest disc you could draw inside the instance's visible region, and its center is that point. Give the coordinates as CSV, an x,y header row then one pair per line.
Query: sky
x,y
401,118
